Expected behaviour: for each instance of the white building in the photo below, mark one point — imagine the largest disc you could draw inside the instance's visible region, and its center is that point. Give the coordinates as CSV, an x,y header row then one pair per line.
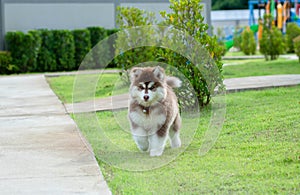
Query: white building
x,y
229,19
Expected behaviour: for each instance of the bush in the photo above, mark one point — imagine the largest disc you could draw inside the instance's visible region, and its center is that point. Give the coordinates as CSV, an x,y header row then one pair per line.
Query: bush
x,y
56,50
185,15
64,49
6,66
24,49
297,46
33,48
248,44
237,40
97,35
46,58
292,31
82,40
130,17
109,32
272,43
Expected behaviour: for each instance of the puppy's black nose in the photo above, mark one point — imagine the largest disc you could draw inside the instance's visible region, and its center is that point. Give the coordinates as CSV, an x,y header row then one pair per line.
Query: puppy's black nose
x,y
146,97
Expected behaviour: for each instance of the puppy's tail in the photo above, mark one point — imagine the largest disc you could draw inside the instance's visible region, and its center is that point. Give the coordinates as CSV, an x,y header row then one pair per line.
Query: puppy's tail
x,y
173,82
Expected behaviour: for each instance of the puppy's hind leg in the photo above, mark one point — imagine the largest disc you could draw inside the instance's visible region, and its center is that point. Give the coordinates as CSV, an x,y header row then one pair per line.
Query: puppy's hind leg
x,y
174,132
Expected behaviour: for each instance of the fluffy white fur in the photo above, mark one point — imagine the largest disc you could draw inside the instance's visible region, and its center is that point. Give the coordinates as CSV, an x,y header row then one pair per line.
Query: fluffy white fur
x,y
157,113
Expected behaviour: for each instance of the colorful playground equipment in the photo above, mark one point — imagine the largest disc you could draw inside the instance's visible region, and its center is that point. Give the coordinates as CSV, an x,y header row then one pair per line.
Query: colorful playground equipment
x,y
279,9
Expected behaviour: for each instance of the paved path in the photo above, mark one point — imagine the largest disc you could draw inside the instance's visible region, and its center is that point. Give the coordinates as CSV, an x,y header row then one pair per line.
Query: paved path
x,y
251,57
70,73
232,85
261,82
41,149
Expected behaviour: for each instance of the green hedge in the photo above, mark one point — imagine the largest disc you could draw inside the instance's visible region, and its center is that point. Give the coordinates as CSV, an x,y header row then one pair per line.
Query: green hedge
x,y
64,49
6,66
24,49
54,50
98,34
82,40
110,32
46,58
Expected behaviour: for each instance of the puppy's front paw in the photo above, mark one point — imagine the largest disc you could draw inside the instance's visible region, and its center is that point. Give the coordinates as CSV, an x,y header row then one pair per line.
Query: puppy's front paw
x,y
143,148
156,152
175,142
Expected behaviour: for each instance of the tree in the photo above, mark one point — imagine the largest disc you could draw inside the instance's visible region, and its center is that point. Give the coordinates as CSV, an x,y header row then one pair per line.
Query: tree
x,y
130,17
297,46
292,31
248,44
229,4
186,15
237,40
272,43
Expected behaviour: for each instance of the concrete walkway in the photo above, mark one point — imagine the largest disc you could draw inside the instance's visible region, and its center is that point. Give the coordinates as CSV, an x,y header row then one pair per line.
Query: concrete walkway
x,y
232,85
41,149
251,57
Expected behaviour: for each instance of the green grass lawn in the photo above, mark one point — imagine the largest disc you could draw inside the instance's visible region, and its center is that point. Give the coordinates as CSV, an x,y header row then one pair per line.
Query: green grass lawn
x,y
261,68
257,152
63,85
236,53
243,61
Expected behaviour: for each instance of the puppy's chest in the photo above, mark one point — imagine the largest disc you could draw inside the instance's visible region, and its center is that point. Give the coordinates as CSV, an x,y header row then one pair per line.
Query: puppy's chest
x,y
148,118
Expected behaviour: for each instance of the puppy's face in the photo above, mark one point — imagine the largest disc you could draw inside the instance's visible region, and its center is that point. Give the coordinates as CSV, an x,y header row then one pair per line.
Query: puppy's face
x,y
147,85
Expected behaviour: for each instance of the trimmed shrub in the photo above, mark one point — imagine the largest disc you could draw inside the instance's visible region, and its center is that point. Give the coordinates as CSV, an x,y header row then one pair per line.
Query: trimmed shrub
x,y
97,35
64,49
297,46
33,49
6,66
24,49
46,58
237,40
272,43
248,44
14,41
292,31
82,40
111,31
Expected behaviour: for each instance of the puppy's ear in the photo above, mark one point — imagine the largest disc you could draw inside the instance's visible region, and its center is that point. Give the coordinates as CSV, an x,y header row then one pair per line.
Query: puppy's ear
x,y
134,73
159,73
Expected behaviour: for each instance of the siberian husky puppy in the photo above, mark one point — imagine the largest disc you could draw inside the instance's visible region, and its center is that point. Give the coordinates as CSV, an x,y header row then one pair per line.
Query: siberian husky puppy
x,y
153,111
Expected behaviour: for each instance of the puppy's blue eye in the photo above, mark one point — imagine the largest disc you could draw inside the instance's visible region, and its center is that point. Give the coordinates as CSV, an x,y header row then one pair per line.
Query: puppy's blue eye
x,y
151,88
